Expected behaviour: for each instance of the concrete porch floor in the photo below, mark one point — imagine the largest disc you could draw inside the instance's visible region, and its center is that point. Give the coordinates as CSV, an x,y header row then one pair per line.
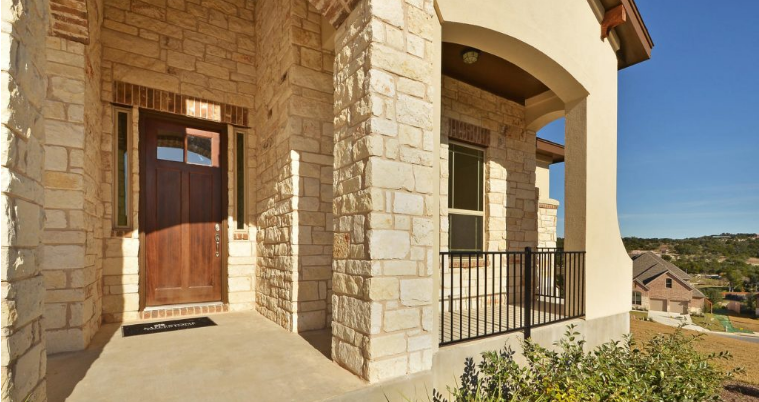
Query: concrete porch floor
x,y
244,358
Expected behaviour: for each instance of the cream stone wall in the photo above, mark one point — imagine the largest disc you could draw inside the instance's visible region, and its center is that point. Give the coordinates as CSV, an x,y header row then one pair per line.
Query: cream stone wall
x,y
510,195
204,49
294,197
73,236
22,76
385,223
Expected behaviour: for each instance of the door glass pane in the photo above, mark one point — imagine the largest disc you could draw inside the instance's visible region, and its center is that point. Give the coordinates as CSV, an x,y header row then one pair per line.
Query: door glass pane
x,y
465,232
465,178
199,150
170,146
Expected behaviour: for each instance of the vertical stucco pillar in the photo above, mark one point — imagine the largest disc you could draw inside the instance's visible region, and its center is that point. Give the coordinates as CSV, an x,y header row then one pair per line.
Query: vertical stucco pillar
x,y
385,234
590,200
22,58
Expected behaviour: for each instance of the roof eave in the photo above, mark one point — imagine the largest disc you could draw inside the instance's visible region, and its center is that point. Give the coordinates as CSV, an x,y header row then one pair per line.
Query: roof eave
x,y
635,40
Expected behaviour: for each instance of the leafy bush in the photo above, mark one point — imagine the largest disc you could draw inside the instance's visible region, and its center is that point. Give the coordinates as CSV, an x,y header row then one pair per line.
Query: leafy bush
x,y
666,368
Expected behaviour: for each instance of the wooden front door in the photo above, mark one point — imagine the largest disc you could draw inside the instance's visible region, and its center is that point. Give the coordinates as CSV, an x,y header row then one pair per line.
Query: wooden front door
x,y
182,199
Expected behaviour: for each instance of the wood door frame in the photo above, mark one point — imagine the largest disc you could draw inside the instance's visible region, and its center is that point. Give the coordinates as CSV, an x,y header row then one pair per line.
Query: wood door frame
x,y
223,131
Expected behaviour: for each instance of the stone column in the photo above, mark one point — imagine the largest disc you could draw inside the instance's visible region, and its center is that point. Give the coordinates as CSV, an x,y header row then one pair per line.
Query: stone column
x,y
385,228
24,25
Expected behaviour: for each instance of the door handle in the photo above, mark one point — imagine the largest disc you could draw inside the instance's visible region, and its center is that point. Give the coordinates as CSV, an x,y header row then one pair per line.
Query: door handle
x,y
218,242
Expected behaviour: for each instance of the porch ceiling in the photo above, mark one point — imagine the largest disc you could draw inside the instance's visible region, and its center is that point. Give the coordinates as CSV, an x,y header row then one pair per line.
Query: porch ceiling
x,y
491,73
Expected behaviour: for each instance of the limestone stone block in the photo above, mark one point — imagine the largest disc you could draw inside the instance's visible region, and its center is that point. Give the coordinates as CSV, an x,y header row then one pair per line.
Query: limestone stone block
x,y
56,158
26,373
387,345
414,112
389,174
55,315
405,203
416,292
388,244
65,340
63,256
401,319
23,301
383,288
349,356
379,370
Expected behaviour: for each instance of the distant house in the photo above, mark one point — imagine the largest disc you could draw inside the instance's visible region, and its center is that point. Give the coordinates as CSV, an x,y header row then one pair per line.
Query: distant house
x,y
659,285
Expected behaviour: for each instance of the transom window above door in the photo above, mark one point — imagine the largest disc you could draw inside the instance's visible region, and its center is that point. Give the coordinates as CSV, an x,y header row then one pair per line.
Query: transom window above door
x,y
465,197
191,146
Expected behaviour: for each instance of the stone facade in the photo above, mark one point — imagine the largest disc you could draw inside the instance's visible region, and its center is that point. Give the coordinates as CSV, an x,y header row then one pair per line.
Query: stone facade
x,y
204,50
294,192
547,220
510,193
73,237
343,218
383,264
23,72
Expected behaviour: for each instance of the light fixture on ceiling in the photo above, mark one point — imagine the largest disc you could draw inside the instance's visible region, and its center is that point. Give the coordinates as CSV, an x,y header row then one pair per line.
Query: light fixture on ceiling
x,y
470,55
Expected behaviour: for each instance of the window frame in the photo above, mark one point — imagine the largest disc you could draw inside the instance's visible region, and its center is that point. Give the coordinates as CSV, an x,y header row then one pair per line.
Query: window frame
x,y
457,211
235,132
637,296
127,170
668,283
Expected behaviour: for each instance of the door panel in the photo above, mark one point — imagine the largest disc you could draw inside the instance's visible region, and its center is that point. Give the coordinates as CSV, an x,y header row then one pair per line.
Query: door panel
x,y
201,229
182,213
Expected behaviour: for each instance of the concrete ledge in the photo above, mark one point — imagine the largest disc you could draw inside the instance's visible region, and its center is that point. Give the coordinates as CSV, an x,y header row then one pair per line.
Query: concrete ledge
x,y
448,362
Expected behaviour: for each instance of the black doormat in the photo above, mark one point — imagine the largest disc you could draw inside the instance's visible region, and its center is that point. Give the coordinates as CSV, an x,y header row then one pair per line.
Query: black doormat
x,y
166,326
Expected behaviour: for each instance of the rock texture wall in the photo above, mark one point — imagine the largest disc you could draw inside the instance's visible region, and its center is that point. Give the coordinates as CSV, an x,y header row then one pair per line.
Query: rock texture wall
x,y
510,193
383,323
22,76
547,220
73,237
204,49
294,191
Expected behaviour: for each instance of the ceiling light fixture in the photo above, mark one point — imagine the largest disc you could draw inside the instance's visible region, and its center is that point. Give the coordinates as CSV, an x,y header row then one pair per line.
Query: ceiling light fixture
x,y
470,55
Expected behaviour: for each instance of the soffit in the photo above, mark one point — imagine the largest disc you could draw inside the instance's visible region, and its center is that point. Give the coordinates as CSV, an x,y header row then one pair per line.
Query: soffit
x,y
491,73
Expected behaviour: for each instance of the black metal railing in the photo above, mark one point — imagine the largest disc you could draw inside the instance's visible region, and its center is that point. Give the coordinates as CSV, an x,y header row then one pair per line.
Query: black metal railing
x,y
489,293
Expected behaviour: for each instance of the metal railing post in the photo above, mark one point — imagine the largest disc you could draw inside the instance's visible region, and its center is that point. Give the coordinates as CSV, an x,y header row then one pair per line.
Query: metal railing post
x,y
527,292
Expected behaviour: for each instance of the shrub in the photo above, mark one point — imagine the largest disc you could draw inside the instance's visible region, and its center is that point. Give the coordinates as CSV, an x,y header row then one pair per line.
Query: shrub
x,y
665,368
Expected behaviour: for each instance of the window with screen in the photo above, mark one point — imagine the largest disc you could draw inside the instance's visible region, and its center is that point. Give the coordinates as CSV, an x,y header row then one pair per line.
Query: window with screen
x,y
637,298
465,198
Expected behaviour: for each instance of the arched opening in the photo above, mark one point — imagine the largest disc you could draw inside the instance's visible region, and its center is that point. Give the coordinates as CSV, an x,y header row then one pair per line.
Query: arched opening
x,y
497,92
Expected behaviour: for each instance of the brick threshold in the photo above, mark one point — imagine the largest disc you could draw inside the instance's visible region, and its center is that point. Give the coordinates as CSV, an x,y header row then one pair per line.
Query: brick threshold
x,y
183,310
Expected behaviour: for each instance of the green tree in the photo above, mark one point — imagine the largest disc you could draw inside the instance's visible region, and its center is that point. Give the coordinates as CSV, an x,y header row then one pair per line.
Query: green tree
x,y
713,294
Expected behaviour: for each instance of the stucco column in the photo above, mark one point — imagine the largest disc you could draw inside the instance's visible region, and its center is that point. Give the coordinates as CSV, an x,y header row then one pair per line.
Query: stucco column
x,y
385,234
590,201
22,54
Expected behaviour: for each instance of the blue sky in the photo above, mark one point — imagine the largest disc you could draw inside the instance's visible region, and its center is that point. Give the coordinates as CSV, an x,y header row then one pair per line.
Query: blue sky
x,y
688,124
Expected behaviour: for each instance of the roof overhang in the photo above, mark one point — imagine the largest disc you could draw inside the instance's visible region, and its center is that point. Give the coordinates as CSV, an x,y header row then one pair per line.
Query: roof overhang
x,y
550,150
635,42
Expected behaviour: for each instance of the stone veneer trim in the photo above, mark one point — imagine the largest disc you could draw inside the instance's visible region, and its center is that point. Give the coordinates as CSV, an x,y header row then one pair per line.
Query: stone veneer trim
x,y
170,102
